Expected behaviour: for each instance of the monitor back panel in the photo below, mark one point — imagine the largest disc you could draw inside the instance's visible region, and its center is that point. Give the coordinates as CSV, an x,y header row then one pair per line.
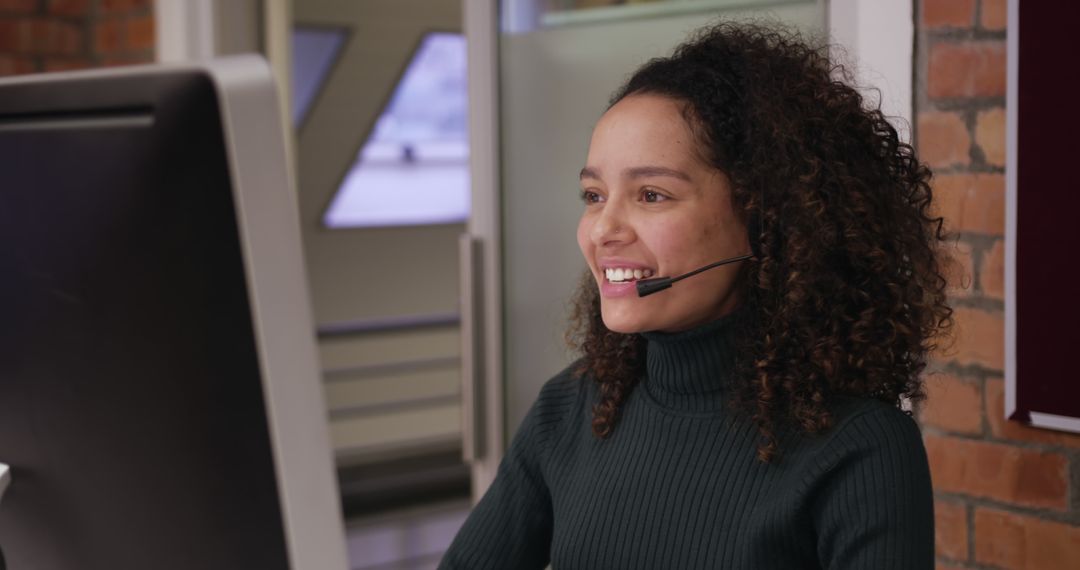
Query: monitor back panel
x,y
131,406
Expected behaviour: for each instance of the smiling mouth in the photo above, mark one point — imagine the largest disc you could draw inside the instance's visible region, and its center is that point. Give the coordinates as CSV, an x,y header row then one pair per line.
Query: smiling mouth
x,y
626,275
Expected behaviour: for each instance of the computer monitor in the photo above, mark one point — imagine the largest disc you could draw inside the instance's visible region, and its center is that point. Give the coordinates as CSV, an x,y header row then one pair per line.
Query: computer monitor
x,y
160,401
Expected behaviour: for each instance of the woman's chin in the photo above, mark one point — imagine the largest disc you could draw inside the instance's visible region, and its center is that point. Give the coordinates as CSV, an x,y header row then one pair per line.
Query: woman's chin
x,y
625,323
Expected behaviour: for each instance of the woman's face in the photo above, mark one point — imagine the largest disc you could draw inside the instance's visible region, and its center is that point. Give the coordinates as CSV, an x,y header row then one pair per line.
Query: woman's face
x,y
653,204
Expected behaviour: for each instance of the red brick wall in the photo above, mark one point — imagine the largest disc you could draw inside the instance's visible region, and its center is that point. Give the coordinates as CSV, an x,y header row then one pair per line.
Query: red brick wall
x,y
1007,496
52,35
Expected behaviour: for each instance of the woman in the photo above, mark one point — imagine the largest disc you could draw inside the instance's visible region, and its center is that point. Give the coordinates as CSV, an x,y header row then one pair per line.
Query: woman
x,y
750,416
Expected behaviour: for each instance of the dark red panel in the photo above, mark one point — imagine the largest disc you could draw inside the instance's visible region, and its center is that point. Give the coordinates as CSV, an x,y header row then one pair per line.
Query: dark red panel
x,y
1048,196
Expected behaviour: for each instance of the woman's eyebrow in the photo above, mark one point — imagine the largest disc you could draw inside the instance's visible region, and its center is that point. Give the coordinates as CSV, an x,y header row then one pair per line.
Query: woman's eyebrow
x,y
638,172
654,171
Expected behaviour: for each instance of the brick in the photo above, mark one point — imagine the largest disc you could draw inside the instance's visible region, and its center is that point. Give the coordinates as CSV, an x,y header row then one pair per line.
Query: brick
x,y
980,337
994,15
40,36
959,271
948,13
999,539
1011,540
966,69
74,39
1050,544
943,139
71,39
108,36
15,65
69,8
118,6
992,271
15,35
998,471
940,566
950,530
971,202
128,59
18,6
1002,428
140,33
990,135
67,64
10,32
953,404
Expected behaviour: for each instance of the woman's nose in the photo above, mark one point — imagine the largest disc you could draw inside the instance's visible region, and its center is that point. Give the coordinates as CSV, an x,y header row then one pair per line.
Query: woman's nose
x,y
611,226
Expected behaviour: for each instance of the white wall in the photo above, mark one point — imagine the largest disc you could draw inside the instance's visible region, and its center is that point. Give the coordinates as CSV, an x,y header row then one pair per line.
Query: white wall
x,y
879,36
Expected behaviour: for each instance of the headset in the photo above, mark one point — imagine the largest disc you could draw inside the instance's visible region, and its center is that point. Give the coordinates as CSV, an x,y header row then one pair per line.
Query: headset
x,y
647,287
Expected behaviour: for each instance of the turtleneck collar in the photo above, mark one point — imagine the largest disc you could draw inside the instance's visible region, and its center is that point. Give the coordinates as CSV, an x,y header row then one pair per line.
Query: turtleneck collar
x,y
690,371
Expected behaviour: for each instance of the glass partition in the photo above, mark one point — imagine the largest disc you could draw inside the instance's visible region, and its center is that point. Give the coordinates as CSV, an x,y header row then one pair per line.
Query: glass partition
x,y
559,62
520,16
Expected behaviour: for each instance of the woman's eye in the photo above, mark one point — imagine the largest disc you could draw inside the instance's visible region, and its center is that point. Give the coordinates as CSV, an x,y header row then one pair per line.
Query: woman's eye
x,y
589,197
653,196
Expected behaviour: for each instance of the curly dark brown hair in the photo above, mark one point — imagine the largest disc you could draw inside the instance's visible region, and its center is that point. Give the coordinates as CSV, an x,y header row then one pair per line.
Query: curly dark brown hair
x,y
849,297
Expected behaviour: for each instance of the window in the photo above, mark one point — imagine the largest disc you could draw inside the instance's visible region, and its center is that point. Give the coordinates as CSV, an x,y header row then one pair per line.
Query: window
x,y
414,167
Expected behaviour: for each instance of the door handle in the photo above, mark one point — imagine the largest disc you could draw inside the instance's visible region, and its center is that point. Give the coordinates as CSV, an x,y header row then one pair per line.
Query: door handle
x,y
470,250
5,479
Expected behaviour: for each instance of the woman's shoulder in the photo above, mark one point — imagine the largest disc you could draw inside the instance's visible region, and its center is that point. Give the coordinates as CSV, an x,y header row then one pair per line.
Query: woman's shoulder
x,y
865,424
559,397
563,391
554,410
847,409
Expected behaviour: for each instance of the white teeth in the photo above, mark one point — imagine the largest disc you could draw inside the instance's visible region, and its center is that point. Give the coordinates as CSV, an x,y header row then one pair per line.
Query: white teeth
x,y
626,274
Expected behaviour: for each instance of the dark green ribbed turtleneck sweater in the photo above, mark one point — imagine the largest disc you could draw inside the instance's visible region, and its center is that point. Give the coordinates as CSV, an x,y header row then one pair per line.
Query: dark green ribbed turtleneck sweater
x,y
678,484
